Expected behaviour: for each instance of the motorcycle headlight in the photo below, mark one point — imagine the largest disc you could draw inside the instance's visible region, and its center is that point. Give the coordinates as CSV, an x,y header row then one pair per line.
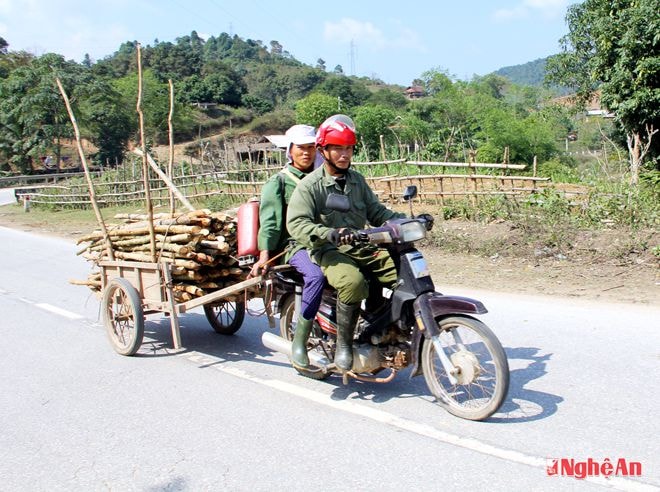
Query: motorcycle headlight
x,y
412,231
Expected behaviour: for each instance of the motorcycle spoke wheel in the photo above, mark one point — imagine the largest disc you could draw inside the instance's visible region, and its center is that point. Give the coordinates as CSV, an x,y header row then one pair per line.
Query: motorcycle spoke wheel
x,y
287,331
481,374
226,317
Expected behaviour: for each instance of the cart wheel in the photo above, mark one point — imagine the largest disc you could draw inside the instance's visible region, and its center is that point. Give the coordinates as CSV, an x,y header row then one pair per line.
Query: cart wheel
x,y
226,317
123,316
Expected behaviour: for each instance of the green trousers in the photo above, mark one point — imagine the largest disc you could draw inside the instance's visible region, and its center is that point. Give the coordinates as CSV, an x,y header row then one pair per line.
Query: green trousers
x,y
348,272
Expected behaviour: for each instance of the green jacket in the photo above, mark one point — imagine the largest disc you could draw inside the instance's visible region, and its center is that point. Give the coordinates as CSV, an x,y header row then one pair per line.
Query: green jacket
x,y
275,196
309,222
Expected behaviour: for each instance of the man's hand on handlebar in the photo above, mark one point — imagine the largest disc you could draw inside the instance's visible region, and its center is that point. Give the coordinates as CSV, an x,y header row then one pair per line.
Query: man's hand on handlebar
x,y
342,236
428,218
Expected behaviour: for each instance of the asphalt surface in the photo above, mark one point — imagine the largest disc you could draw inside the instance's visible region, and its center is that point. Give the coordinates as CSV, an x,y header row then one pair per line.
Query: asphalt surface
x,y
228,414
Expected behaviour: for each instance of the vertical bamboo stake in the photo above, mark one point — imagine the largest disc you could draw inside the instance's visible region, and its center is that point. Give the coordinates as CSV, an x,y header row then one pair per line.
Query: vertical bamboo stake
x,y
224,143
145,167
250,163
83,160
170,164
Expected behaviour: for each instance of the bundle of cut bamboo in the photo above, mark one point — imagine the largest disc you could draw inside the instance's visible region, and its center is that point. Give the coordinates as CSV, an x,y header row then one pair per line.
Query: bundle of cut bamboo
x,y
200,245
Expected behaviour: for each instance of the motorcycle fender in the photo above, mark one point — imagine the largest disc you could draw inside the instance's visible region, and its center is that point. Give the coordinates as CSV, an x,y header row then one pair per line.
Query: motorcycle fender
x,y
428,309
442,305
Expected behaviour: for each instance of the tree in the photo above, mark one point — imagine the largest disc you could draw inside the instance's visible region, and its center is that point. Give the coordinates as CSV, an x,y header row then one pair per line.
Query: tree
x,y
352,92
275,48
155,106
105,120
392,98
320,64
372,122
613,46
315,108
10,60
338,70
33,118
121,63
437,81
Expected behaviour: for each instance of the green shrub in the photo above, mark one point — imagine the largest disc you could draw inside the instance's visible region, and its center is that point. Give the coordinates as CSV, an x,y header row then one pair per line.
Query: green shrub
x,y
558,172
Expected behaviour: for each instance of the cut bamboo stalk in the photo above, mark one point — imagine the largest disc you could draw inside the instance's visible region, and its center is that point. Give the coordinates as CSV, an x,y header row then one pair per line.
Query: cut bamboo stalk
x,y
190,289
170,161
83,160
145,168
87,283
135,217
188,275
165,179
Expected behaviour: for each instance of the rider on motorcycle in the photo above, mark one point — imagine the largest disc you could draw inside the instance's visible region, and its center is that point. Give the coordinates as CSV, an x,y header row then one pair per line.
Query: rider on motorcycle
x,y
329,234
273,238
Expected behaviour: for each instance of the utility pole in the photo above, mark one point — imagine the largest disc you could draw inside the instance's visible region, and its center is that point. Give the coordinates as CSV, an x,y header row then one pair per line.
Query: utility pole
x,y
352,57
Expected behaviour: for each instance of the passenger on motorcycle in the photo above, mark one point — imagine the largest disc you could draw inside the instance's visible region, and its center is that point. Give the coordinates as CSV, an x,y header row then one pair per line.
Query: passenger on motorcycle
x,y
329,234
273,237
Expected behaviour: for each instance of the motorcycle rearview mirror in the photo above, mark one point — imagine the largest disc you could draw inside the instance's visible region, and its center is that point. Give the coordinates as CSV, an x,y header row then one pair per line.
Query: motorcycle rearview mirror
x,y
408,194
338,202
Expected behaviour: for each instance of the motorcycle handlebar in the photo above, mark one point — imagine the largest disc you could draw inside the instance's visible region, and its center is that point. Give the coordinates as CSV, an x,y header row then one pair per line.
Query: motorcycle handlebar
x,y
364,235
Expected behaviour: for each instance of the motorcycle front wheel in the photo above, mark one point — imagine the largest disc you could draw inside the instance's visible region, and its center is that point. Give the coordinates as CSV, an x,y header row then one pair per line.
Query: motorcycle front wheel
x,y
480,378
288,329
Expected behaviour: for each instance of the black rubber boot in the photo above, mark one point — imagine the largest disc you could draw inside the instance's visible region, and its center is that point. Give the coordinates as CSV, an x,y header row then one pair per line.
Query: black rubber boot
x,y
347,315
299,344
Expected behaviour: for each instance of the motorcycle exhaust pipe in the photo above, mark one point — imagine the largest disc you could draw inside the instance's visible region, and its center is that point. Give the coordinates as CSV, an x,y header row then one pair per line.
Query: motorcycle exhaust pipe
x,y
279,344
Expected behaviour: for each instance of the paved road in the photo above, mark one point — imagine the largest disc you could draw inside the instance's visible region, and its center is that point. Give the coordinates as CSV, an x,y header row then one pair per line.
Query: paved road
x,y
228,414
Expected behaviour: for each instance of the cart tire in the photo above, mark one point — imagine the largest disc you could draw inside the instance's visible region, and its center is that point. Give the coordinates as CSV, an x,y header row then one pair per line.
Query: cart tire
x,y
123,316
226,317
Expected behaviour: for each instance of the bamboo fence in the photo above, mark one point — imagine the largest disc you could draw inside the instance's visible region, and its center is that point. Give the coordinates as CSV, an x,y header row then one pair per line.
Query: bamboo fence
x,y
240,182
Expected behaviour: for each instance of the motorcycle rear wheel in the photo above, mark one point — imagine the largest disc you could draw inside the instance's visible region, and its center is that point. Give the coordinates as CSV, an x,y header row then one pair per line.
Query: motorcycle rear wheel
x,y
482,381
225,317
287,330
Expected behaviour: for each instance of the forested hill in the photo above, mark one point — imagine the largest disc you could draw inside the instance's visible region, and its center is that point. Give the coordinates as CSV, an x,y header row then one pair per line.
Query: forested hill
x,y
243,88
530,73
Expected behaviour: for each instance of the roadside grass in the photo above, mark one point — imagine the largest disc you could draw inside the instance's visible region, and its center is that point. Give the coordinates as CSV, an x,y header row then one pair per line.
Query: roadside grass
x,y
65,220
550,225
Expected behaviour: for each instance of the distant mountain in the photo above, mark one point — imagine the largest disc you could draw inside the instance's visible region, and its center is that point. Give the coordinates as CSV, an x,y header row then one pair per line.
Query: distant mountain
x,y
530,73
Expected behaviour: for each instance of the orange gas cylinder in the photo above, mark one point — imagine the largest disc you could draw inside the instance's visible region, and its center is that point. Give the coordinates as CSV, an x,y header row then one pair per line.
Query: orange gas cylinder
x,y
248,227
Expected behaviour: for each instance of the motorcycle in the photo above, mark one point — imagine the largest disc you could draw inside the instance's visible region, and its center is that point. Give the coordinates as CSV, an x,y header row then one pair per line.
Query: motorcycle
x,y
463,362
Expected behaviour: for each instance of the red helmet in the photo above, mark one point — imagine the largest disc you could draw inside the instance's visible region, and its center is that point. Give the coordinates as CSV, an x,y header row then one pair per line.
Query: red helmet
x,y
336,130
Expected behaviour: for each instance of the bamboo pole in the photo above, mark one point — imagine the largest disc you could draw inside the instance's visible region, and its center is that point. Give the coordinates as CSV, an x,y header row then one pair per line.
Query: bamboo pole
x,y
145,167
83,160
170,164
167,180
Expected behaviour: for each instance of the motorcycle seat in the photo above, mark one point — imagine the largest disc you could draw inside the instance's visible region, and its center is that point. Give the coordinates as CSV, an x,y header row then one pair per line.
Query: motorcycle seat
x,y
289,276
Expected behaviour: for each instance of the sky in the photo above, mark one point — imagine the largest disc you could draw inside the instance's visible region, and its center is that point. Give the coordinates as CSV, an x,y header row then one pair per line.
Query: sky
x,y
392,41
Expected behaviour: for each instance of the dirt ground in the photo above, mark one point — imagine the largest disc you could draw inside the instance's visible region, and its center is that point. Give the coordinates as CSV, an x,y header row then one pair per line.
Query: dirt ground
x,y
601,265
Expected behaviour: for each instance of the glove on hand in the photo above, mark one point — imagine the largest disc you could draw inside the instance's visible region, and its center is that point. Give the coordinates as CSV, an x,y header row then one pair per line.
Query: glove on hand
x,y
342,236
428,218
